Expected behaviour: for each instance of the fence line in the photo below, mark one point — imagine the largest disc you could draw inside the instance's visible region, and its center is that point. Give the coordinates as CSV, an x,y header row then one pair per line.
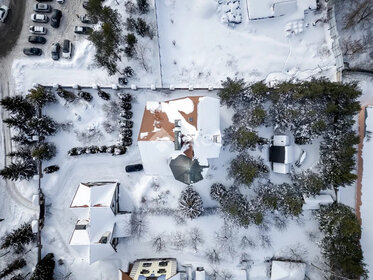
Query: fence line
x,y
158,45
336,48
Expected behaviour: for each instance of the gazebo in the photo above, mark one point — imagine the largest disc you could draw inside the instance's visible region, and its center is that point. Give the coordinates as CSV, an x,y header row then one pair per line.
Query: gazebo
x,y
186,170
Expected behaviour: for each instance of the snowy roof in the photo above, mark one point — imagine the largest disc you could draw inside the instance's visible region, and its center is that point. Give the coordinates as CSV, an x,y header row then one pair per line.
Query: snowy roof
x,y
92,204
281,154
288,270
189,126
98,194
160,269
271,8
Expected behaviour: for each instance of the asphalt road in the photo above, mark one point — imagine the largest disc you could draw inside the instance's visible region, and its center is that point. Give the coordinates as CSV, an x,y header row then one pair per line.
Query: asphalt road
x,y
11,29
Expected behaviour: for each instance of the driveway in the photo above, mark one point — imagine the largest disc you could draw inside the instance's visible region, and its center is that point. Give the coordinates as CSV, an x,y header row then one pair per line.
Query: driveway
x,y
11,29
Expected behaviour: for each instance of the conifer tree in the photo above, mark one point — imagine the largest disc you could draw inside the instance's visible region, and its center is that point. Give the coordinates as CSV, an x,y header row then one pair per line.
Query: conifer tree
x,y
44,269
190,203
18,238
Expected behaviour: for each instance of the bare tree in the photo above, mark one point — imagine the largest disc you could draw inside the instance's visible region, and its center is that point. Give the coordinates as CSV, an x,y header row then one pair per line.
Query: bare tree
x,y
178,240
159,242
143,52
195,238
138,223
226,238
212,256
352,47
361,13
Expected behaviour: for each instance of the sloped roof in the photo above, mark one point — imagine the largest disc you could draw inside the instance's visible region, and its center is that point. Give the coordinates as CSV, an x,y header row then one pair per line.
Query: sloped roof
x,y
198,120
92,203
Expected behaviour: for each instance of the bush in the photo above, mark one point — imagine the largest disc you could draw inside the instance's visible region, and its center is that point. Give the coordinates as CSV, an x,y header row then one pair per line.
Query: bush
x,y
85,95
128,72
51,169
67,95
44,151
130,24
130,39
232,92
104,95
241,138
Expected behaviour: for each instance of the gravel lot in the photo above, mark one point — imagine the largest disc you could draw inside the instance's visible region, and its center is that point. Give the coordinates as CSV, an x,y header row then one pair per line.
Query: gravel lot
x,y
70,9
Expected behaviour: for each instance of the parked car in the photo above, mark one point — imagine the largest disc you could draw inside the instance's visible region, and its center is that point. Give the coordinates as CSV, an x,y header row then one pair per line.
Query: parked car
x,y
60,1
37,40
134,168
82,30
85,4
55,51
67,49
44,0
40,30
32,51
88,20
4,11
42,8
39,18
56,18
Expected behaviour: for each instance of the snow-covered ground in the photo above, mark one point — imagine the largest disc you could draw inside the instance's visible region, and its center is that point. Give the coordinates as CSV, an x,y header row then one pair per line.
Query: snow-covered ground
x,y
197,49
205,52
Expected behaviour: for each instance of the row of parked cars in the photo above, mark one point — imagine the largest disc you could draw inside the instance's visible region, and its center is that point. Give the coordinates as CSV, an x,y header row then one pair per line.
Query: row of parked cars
x,y
41,9
40,16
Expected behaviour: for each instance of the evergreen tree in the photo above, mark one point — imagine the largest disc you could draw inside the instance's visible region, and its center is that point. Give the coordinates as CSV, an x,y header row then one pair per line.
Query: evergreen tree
x,y
44,269
309,183
22,170
18,106
233,92
142,28
18,238
284,198
240,139
94,8
130,24
22,153
341,243
190,203
142,6
218,192
43,126
44,151
250,116
244,169
13,266
40,96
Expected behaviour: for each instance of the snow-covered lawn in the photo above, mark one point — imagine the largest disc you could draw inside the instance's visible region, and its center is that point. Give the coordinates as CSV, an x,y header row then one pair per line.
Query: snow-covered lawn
x,y
196,48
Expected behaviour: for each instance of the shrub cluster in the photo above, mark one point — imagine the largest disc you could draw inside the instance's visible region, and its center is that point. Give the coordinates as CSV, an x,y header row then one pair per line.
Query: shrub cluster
x,y
112,149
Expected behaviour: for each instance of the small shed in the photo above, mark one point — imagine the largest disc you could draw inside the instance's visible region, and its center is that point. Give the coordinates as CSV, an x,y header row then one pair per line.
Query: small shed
x,y
282,270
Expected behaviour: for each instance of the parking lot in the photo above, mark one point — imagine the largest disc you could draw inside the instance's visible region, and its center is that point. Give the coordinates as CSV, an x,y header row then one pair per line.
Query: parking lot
x,y
70,11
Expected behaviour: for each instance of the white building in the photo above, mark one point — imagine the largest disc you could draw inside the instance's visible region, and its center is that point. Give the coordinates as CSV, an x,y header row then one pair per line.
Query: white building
x,y
281,154
98,228
274,8
187,126
154,269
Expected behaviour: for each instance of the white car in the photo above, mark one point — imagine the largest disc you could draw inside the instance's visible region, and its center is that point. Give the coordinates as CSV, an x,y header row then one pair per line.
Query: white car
x,y
39,18
40,30
3,13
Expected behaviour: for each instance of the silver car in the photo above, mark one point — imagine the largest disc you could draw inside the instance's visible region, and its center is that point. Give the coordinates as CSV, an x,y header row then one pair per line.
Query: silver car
x,y
42,8
39,18
4,10
40,30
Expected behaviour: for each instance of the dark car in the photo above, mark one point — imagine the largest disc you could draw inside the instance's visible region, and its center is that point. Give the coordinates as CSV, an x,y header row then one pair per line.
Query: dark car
x,y
44,0
83,30
55,51
37,40
85,4
32,51
56,18
134,168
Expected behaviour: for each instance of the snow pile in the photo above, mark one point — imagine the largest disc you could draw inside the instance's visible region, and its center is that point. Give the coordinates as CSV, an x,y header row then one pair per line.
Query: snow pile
x,y
288,270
